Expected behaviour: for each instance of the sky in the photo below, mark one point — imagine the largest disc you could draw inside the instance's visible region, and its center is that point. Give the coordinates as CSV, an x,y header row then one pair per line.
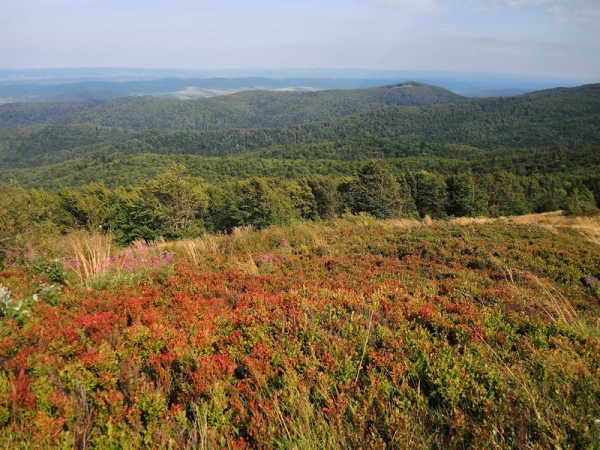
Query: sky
x,y
537,37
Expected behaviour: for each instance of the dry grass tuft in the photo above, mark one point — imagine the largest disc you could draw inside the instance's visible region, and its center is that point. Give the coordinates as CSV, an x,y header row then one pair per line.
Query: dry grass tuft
x,y
92,251
559,308
247,265
242,231
194,248
95,260
588,225
462,221
402,223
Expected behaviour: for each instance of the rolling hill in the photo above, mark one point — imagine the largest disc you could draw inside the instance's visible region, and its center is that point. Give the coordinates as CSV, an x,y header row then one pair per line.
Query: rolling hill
x,y
258,108
19,115
557,117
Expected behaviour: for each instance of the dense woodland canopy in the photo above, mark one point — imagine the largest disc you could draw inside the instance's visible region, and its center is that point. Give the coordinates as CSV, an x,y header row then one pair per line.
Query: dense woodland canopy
x,y
174,205
142,168
256,108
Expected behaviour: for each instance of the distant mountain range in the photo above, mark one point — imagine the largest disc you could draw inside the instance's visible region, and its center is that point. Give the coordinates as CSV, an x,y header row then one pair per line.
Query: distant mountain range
x,y
340,125
241,110
105,83
56,90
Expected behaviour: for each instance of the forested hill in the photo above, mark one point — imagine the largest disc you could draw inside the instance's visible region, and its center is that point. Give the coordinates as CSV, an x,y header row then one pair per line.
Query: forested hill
x,y
17,115
249,109
553,118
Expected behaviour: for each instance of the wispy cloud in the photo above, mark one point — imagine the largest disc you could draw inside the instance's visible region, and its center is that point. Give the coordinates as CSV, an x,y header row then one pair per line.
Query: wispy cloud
x,y
589,15
509,51
560,37
582,12
586,11
516,3
417,6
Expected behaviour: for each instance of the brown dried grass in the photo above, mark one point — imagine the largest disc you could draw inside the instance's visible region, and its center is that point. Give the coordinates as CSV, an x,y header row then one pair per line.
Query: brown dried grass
x,y
193,249
92,251
587,225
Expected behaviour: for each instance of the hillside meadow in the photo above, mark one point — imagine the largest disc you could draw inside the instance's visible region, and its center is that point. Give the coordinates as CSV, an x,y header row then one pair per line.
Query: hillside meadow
x,y
347,333
335,269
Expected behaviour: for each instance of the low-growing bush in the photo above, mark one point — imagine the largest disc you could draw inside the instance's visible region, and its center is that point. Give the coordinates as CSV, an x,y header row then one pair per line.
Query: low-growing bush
x,y
399,335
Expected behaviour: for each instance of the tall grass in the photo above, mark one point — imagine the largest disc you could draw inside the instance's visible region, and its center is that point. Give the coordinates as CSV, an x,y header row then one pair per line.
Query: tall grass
x,y
587,225
559,308
92,253
97,263
195,248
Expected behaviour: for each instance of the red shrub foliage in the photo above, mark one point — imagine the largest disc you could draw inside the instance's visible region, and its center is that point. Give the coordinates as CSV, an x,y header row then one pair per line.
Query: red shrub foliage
x,y
358,348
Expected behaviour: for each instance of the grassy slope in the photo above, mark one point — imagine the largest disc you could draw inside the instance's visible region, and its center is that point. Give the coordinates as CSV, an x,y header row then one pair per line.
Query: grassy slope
x,y
356,334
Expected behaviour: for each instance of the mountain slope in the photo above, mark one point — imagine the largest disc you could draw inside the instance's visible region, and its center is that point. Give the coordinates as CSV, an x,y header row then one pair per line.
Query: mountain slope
x,y
262,109
19,115
39,90
256,108
558,117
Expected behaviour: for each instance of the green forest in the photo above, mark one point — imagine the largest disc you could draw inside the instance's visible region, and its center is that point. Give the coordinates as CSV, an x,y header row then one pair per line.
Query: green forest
x,y
247,109
173,204
141,168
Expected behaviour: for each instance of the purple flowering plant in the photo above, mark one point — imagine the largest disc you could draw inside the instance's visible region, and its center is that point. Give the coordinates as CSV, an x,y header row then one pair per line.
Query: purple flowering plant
x,y
138,261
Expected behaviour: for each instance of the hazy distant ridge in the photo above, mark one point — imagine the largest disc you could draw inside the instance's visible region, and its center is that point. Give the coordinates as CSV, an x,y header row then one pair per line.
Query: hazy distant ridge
x,y
242,110
553,118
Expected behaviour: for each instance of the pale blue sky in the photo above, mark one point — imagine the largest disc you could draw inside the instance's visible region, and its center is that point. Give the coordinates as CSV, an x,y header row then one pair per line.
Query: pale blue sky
x,y
540,37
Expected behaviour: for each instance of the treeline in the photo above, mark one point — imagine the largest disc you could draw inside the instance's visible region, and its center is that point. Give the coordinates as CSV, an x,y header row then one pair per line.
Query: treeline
x,y
174,205
93,146
39,146
329,158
